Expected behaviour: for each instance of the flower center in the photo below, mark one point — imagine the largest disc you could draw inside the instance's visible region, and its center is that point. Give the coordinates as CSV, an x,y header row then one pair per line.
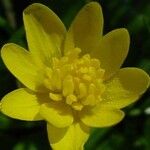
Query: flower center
x,y
76,81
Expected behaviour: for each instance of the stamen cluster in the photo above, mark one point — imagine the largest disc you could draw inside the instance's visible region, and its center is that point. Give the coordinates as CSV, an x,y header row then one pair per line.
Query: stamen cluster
x,y
76,81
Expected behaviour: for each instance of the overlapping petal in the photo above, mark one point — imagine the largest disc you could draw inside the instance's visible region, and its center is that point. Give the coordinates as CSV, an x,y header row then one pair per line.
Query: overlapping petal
x,y
22,66
127,86
58,114
101,116
70,138
86,29
21,104
112,51
45,32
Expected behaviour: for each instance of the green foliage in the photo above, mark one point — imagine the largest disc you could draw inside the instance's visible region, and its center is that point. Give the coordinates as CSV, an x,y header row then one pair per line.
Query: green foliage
x,y
134,131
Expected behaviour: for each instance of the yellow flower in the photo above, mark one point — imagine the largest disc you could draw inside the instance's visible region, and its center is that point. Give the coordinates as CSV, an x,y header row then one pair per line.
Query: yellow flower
x,y
72,79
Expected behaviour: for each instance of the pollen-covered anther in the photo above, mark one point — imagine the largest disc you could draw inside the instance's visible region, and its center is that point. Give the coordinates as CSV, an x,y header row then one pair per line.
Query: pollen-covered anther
x,y
82,90
55,97
71,99
77,106
68,85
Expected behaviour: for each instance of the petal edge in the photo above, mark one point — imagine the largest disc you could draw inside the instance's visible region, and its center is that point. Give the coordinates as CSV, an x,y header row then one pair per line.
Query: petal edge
x,y
21,65
127,87
21,104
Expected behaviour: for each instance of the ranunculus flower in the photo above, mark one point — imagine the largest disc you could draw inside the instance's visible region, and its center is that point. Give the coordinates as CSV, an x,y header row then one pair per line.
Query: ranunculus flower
x,y
72,78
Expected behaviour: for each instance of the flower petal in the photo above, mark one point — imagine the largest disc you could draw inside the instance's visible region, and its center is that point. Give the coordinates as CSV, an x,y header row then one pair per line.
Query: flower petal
x,y
101,116
127,86
112,51
86,29
22,66
45,32
21,104
71,138
58,114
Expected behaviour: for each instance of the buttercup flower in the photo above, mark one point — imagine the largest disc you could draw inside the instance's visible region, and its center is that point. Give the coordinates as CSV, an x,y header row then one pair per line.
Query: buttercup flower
x,y
72,79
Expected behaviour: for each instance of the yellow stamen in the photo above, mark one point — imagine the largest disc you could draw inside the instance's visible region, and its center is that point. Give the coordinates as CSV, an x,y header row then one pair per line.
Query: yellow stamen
x,y
83,90
70,99
55,97
77,106
68,86
56,79
48,84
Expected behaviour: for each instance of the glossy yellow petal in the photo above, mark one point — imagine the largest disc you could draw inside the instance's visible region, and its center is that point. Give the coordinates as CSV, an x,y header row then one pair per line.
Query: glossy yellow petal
x,y
22,66
112,51
101,116
86,29
58,114
127,86
71,138
45,32
21,104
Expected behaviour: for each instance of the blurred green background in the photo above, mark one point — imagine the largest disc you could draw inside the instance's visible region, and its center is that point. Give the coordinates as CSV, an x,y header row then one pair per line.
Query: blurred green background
x,y
133,133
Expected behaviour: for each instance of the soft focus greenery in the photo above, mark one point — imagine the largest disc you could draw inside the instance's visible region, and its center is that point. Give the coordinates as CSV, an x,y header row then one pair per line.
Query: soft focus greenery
x,y
133,133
